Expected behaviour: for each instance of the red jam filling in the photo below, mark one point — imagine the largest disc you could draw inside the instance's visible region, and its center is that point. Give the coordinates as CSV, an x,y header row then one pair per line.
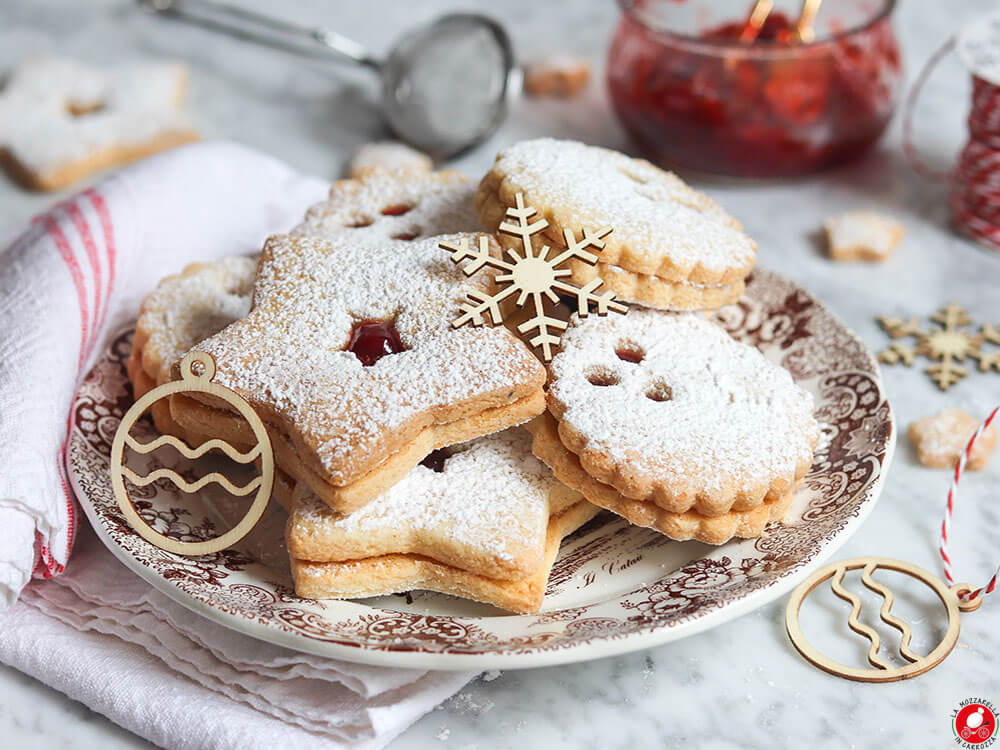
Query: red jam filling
x,y
373,339
436,459
789,108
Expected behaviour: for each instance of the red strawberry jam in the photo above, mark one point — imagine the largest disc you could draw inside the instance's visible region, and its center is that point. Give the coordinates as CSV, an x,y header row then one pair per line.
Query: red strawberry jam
x,y
753,103
373,339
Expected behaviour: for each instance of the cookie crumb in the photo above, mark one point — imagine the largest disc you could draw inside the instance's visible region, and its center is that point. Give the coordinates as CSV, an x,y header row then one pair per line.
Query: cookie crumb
x,y
940,439
491,675
862,235
556,76
392,156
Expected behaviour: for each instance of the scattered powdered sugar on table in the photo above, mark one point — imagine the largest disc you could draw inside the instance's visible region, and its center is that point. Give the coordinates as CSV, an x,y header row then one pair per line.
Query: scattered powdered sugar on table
x,y
653,212
491,490
698,402
55,111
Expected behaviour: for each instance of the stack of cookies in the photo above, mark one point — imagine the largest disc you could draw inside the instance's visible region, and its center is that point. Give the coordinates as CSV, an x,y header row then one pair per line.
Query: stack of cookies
x,y
672,247
400,460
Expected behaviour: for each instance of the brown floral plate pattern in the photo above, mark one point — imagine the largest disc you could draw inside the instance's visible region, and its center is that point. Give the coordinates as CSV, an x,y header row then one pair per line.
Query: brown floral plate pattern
x,y
615,587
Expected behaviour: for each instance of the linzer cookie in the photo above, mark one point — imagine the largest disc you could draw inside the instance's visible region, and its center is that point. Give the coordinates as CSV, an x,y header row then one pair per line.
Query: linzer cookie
x,y
668,409
716,529
696,251
482,506
384,205
349,356
184,309
61,120
483,522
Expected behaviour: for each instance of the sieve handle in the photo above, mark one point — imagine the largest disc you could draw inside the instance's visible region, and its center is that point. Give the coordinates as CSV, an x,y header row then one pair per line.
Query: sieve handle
x,y
262,29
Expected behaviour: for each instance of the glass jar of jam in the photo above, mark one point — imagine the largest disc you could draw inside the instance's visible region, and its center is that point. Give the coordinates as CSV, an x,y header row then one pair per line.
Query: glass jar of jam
x,y
702,90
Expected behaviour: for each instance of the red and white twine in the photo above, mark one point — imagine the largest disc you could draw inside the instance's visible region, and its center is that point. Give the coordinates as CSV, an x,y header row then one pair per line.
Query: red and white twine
x,y
975,182
950,509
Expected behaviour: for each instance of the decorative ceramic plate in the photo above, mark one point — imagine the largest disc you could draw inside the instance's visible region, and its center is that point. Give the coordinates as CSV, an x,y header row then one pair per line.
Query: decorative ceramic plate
x,y
615,587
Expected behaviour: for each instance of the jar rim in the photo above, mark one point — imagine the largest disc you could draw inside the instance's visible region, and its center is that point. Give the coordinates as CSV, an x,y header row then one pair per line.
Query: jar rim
x,y
762,48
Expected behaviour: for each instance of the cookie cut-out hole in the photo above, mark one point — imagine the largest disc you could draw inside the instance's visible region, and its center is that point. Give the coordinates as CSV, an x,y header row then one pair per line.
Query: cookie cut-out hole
x,y
373,339
630,352
659,391
602,377
405,236
397,209
364,221
82,109
436,459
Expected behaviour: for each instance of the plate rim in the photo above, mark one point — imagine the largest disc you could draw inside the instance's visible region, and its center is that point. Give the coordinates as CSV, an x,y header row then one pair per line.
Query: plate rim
x,y
451,661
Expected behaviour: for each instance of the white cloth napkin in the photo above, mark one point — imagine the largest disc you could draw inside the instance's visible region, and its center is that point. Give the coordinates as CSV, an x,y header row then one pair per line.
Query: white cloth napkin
x,y
104,637
95,631
81,270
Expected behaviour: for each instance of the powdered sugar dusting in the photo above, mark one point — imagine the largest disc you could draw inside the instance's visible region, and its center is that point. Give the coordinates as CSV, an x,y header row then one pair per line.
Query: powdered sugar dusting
x,y
124,105
653,212
699,406
491,498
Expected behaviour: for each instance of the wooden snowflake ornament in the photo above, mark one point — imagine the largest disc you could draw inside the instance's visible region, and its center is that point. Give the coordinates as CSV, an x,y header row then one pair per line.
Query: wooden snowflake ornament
x,y
532,275
948,344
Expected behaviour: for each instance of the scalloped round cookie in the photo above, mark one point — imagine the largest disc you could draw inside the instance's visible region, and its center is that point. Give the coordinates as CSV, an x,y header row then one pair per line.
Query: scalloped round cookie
x,y
662,227
667,407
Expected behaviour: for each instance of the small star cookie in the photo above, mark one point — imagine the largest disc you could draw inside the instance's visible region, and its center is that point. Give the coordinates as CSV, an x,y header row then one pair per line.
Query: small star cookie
x,y
942,438
862,235
556,76
61,120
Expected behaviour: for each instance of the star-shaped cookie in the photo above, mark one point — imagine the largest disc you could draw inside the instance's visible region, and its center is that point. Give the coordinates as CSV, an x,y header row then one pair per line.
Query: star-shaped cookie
x,y
348,430
483,521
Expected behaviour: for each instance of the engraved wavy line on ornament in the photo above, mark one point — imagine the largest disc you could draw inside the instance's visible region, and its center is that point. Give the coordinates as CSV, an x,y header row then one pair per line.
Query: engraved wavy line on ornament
x,y
185,486
852,622
193,453
885,613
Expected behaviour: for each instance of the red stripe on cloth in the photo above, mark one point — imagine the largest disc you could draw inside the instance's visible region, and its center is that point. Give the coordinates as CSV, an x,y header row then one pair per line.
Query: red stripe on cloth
x,y
76,273
104,215
76,216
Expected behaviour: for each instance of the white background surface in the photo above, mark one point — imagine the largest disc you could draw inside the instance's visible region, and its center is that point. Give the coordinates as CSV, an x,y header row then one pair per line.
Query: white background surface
x,y
741,685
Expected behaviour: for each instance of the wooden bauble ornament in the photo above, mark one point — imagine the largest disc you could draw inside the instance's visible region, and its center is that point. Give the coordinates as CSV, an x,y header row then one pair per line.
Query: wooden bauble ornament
x,y
197,371
882,670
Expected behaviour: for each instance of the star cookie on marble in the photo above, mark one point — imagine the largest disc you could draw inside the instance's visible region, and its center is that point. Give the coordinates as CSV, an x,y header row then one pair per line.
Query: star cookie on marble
x,y
941,439
862,235
61,120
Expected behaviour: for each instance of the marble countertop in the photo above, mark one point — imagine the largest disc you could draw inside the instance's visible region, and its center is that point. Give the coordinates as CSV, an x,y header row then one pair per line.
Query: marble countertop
x,y
737,686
